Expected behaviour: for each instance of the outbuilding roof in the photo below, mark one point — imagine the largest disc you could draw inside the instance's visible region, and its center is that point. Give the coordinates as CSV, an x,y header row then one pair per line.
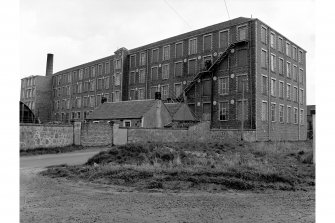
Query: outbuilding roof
x,y
121,110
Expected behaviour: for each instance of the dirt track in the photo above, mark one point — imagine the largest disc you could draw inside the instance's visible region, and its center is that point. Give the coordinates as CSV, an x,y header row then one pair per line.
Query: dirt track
x,y
57,200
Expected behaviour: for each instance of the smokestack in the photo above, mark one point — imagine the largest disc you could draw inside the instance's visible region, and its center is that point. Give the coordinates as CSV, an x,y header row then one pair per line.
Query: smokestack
x,y
50,61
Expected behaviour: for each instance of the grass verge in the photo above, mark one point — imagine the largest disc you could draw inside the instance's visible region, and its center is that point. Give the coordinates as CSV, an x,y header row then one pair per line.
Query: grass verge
x,y
54,150
204,166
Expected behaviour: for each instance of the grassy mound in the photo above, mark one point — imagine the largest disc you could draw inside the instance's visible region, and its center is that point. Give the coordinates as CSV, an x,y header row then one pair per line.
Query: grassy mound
x,y
209,166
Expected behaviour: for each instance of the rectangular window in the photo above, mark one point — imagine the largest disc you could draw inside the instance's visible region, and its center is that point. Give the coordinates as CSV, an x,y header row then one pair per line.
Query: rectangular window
x,y
165,71
100,69
272,40
142,58
288,69
224,39
301,76
80,84
288,49
207,44
295,115
223,85
223,111
281,113
273,62
288,92
300,56
140,94
242,57
93,71
264,110
141,76
153,90
242,33
166,52
154,56
281,66
165,91
289,116
273,87
294,53
78,100
106,82
92,85
178,69
68,104
280,44
239,110
132,77
273,112
177,89
117,79
154,73
179,50
192,46
206,58
301,118
301,96
281,89
192,64
242,83
69,78
206,88
107,68
263,34
132,61
132,95
295,94
264,59
117,96
264,85
87,73
295,72
118,64
99,84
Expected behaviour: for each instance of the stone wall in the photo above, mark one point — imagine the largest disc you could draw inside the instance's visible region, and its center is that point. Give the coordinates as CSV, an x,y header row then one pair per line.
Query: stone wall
x,y
34,136
96,134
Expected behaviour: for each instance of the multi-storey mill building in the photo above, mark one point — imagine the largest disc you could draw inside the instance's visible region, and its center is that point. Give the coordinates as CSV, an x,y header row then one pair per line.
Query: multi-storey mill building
x,y
256,79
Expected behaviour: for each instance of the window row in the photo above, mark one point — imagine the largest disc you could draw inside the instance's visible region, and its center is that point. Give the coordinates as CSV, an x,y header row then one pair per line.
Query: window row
x,y
291,71
242,110
291,114
87,101
290,50
29,93
85,73
28,82
207,45
278,89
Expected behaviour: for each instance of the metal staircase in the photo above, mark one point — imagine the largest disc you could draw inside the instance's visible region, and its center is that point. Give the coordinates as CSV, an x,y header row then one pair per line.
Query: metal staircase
x,y
211,68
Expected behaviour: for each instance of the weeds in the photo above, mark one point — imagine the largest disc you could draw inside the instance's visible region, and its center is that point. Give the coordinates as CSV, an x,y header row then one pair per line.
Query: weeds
x,y
244,166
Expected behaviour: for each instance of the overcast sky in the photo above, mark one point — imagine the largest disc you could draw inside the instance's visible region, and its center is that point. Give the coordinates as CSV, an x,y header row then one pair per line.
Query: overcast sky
x,y
78,31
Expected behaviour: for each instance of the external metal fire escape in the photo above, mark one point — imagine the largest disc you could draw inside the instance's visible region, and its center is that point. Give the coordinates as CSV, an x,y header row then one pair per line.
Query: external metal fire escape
x,y
218,61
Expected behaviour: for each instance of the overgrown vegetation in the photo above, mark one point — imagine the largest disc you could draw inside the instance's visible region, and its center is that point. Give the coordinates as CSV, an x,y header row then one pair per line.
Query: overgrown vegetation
x,y
209,166
41,151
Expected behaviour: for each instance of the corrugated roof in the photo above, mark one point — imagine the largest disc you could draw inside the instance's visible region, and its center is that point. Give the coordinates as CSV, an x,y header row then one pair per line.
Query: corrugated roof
x,y
122,110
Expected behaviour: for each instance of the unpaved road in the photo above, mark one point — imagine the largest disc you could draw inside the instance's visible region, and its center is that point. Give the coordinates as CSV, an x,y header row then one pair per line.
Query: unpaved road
x,y
49,200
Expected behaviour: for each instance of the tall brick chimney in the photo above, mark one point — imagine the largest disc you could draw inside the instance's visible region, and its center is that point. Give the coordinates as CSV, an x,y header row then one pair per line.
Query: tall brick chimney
x,y
50,61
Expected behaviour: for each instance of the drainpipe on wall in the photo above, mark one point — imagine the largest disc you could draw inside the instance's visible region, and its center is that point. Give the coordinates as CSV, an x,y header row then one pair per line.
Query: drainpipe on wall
x,y
269,84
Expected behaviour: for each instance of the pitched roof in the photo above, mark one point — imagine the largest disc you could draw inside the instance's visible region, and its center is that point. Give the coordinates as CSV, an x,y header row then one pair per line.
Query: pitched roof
x,y
122,109
173,107
180,112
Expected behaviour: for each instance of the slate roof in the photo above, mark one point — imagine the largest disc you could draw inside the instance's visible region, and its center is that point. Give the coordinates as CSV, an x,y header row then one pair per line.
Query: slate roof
x,y
121,110
172,107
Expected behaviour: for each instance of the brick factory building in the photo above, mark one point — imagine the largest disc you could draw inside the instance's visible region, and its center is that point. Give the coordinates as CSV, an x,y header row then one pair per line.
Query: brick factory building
x,y
255,80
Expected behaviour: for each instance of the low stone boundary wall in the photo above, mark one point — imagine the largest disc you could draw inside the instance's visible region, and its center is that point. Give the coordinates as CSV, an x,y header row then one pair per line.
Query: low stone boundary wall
x,y
96,134
34,136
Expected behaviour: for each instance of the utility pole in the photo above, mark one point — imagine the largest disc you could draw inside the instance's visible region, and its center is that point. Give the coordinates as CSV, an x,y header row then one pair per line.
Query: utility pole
x,y
242,118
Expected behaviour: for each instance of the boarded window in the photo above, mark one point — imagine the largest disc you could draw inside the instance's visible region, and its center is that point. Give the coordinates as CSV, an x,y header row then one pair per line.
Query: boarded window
x,y
264,59
265,85
154,73
192,67
207,42
177,89
206,111
132,61
206,88
155,55
142,76
166,52
242,33
179,50
223,85
165,71
242,57
242,83
178,68
192,46
224,39
142,58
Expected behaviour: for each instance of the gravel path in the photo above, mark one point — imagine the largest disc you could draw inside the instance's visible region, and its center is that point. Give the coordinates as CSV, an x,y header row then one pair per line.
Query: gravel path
x,y
58,200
